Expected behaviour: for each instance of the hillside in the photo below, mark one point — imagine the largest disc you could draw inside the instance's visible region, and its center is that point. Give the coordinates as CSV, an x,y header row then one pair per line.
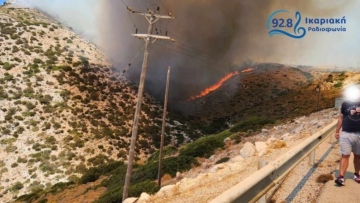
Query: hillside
x,y
64,108
269,90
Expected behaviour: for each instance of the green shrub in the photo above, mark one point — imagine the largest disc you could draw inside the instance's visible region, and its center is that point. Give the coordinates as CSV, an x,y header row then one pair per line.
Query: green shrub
x,y
8,66
15,49
148,186
50,140
338,85
100,159
114,187
222,160
37,61
94,173
254,124
169,150
205,146
17,186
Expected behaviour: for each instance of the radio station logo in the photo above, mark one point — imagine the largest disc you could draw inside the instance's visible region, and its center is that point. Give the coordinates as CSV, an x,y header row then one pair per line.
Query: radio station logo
x,y
282,22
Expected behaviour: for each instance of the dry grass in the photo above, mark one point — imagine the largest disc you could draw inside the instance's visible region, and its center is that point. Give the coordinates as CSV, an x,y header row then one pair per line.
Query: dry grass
x,y
166,177
277,144
324,178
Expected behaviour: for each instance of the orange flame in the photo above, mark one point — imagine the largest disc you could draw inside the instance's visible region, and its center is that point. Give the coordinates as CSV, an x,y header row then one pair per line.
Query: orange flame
x,y
247,70
214,87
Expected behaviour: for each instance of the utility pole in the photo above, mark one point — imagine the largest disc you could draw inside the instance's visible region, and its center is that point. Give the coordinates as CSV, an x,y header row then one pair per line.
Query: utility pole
x,y
163,127
151,17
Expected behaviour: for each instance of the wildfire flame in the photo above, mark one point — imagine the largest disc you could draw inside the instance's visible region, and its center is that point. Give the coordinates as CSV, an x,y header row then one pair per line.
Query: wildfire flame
x,y
247,70
216,86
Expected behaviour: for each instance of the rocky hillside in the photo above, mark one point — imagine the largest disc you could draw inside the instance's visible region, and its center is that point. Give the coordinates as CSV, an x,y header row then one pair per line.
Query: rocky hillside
x,y
238,159
63,107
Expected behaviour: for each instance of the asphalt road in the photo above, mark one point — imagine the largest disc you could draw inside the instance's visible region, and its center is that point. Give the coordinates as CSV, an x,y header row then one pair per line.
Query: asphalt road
x,y
350,193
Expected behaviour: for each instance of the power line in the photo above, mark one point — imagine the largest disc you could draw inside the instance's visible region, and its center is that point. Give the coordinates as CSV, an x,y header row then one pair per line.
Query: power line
x,y
144,5
197,50
164,5
129,14
187,54
157,7
188,45
128,66
201,55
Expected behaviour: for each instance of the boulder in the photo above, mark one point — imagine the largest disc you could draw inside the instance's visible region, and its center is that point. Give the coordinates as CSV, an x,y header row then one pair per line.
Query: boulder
x,y
248,150
284,136
261,148
237,159
270,140
227,140
166,190
216,168
144,197
264,131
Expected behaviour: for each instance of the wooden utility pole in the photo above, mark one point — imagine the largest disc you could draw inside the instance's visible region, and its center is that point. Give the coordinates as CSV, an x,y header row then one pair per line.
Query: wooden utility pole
x,y
163,127
151,18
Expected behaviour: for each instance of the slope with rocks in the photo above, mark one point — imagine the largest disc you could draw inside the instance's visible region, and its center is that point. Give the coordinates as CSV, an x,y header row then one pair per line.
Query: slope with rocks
x,y
235,162
63,107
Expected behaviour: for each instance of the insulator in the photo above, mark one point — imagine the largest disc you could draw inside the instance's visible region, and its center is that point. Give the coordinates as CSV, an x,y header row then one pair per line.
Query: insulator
x,y
158,9
136,31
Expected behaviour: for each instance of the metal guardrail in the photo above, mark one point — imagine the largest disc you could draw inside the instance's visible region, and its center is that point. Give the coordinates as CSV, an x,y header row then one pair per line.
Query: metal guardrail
x,y
259,183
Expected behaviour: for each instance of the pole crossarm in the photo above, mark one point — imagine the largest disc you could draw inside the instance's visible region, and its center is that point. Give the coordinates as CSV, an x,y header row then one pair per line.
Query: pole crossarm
x,y
147,36
154,15
150,15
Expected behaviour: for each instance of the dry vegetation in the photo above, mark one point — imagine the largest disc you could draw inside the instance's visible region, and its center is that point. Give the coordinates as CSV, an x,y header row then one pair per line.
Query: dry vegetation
x,y
271,91
63,108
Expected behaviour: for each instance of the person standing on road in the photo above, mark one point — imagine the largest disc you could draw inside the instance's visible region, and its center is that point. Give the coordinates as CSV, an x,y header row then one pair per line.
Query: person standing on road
x,y
349,138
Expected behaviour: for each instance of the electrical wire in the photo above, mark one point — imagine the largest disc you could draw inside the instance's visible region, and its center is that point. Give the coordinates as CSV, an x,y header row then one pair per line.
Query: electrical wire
x,y
199,54
144,5
128,66
129,14
197,50
186,54
167,11
164,6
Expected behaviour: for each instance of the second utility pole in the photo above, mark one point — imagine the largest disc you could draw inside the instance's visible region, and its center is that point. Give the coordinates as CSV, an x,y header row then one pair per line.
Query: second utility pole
x,y
163,128
152,18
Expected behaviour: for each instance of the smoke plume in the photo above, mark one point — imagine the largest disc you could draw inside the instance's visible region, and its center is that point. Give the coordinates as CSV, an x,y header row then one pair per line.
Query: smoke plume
x,y
211,37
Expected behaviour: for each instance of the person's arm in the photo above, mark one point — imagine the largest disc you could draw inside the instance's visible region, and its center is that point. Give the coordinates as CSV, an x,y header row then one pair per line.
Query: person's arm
x,y
339,125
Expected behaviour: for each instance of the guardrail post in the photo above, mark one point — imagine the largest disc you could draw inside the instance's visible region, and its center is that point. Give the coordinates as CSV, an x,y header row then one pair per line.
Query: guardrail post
x,y
312,158
261,164
331,139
